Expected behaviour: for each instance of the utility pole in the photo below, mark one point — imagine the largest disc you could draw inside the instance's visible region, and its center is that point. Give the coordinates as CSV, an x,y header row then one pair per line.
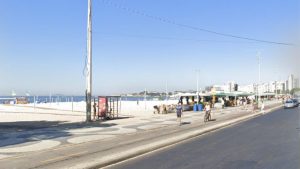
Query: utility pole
x,y
259,77
89,64
145,98
197,72
276,96
72,103
167,95
34,102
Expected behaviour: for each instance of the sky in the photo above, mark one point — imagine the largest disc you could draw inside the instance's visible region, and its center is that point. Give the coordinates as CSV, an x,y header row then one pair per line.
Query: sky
x,y
43,44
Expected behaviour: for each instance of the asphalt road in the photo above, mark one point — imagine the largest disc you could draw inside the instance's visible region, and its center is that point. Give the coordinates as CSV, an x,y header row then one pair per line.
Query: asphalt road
x,y
271,141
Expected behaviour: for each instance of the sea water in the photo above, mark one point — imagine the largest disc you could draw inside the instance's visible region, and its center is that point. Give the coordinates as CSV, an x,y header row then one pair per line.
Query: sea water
x,y
61,98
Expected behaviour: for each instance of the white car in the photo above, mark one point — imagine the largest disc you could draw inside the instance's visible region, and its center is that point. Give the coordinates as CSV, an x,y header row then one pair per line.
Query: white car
x,y
289,104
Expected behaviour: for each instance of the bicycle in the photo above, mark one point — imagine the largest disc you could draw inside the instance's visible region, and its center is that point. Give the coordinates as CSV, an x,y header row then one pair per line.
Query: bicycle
x,y
207,116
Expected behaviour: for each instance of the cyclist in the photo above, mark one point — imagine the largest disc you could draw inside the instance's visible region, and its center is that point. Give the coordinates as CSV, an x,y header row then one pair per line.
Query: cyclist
x,y
207,112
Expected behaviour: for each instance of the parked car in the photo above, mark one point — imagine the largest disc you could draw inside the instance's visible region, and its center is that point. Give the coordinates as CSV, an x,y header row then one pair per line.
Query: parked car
x,y
289,104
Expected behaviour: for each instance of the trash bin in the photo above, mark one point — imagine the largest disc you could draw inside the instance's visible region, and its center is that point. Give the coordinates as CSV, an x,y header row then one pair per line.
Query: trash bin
x,y
195,107
200,107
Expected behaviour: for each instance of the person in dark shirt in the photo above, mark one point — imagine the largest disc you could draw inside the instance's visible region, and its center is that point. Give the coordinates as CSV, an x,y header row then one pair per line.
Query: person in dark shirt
x,y
95,109
179,112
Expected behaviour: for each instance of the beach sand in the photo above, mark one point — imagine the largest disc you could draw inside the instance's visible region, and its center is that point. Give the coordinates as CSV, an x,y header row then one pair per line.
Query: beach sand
x,y
62,111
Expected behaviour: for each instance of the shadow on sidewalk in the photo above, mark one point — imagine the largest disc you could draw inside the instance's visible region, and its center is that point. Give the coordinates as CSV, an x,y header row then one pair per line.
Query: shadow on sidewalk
x,y
185,123
12,133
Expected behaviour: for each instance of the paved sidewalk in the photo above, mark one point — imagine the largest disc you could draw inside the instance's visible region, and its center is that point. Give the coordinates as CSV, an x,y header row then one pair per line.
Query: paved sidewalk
x,y
25,139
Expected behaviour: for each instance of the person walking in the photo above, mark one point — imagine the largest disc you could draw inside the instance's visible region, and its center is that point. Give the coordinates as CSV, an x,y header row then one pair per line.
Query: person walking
x,y
179,112
253,106
262,108
223,103
95,109
244,102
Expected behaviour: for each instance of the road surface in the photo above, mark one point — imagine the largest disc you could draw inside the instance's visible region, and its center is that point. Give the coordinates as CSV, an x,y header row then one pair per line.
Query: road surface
x,y
271,141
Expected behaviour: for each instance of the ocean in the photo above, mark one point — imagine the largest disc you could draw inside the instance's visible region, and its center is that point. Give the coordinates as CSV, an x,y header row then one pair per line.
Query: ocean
x,y
53,99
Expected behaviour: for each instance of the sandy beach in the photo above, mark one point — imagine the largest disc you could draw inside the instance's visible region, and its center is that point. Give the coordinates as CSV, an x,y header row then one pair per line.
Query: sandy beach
x,y
62,111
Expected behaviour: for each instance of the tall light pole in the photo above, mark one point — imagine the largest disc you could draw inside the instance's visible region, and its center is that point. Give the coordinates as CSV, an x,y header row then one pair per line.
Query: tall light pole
x,y
145,98
276,81
167,93
276,96
259,76
89,64
197,74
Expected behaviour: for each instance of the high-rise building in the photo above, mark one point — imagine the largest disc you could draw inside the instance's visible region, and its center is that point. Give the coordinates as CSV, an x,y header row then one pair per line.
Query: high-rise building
x,y
291,82
296,83
283,87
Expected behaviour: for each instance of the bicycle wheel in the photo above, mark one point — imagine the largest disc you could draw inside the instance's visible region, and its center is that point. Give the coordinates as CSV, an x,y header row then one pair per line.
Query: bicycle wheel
x,y
206,117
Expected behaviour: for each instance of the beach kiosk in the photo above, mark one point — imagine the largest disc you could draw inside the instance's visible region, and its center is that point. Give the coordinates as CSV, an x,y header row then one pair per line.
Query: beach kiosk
x,y
109,107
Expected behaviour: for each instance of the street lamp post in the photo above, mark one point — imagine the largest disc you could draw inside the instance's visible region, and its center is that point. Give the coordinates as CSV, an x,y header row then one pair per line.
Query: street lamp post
x,y
276,87
145,98
89,64
259,78
167,92
197,71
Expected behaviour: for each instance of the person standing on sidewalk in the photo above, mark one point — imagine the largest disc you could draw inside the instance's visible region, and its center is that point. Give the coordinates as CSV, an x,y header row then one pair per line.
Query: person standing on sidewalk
x,y
253,106
262,107
179,112
95,110
244,103
223,103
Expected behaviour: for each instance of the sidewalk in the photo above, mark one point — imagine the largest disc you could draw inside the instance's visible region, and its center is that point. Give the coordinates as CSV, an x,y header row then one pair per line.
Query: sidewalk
x,y
54,143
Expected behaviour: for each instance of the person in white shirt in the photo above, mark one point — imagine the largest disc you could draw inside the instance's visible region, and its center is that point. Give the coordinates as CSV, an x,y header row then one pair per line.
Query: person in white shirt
x,y
262,107
208,111
223,103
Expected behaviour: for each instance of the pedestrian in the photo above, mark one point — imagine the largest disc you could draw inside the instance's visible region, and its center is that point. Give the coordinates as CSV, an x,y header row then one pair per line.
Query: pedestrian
x,y
95,109
244,103
262,107
179,112
223,103
253,106
208,111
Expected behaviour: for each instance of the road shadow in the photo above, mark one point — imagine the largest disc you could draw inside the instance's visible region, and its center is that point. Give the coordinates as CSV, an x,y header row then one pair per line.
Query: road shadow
x,y
115,118
185,123
12,133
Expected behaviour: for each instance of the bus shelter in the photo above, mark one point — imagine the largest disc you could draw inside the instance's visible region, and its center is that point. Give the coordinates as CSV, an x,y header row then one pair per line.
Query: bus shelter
x,y
109,107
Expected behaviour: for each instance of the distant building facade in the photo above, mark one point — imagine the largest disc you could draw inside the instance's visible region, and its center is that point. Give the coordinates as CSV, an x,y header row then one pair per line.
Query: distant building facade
x,y
248,88
276,87
296,83
290,82
228,87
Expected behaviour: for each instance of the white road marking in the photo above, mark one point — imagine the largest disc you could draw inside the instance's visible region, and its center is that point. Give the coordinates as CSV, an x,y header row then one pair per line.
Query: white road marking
x,y
83,139
40,145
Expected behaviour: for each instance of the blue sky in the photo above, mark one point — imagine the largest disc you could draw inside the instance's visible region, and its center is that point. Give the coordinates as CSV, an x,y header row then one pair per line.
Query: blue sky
x,y
43,44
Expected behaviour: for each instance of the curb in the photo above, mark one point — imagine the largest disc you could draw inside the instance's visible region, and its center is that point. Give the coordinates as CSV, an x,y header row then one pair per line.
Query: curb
x,y
140,150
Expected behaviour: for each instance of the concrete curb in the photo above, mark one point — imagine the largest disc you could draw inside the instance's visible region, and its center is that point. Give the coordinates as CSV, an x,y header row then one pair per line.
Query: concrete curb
x,y
137,151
